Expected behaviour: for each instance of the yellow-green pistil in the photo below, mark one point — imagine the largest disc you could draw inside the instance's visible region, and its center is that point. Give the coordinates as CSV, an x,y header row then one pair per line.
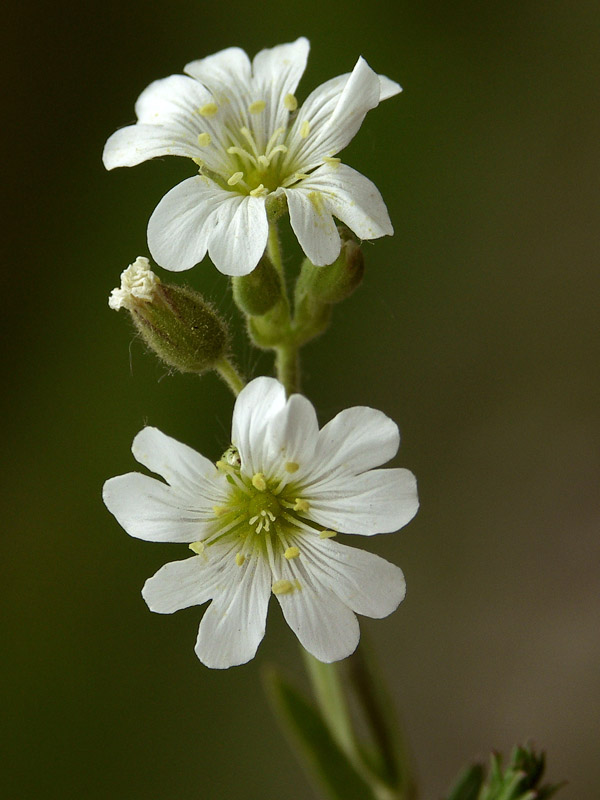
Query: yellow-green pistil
x,y
263,515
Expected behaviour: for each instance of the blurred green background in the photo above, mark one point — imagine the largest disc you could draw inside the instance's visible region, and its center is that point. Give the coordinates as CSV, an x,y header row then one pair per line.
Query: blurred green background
x,y
476,329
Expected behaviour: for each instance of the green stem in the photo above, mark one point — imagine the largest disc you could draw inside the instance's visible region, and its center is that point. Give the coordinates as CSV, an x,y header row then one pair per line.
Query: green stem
x,y
329,693
287,364
230,375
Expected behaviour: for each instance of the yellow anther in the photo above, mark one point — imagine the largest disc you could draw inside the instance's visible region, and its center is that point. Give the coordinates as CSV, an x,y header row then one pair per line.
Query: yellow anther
x,y
197,547
301,505
292,552
327,534
208,110
218,511
223,466
297,584
305,129
257,106
204,139
198,162
259,482
291,466
282,587
300,176
235,178
239,559
259,191
290,102
332,160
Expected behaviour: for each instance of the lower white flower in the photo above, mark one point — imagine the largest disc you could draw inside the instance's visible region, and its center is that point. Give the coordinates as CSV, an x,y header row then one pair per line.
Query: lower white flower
x,y
261,522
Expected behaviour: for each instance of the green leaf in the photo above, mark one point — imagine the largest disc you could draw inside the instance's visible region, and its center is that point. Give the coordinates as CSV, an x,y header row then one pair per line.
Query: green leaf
x,y
468,785
314,743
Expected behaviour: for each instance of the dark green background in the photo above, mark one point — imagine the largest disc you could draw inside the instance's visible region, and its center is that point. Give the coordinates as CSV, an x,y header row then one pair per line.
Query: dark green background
x,y
476,329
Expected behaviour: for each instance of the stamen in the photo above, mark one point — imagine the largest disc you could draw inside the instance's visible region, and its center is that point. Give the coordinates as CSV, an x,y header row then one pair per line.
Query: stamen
x,y
198,162
257,106
300,176
208,110
292,552
239,151
259,191
301,505
239,559
247,134
274,136
305,129
282,587
204,139
291,466
235,178
253,519
197,547
290,102
270,514
264,162
281,148
332,160
327,534
259,482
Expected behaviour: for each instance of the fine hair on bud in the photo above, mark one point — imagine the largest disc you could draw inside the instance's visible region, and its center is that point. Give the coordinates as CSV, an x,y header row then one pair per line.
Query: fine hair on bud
x,y
256,293
182,328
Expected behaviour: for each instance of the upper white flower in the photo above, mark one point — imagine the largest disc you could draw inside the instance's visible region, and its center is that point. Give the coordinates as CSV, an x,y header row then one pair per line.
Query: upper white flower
x,y
240,122
262,519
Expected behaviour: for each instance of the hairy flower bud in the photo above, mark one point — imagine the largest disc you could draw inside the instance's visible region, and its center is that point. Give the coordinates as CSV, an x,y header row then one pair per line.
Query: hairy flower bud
x,y
176,322
336,282
257,292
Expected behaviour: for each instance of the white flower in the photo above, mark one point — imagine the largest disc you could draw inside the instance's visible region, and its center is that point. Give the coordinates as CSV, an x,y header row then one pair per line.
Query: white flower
x,y
240,123
262,519
138,282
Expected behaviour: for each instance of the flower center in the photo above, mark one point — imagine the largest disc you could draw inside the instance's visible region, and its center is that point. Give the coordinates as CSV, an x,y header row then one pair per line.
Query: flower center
x,y
263,509
256,154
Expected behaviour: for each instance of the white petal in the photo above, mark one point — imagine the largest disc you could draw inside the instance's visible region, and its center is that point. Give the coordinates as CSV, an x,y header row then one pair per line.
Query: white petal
x,y
355,440
325,626
313,225
379,501
226,74
137,143
239,236
182,223
335,111
234,624
190,582
175,99
256,405
149,509
388,88
352,198
276,73
366,583
291,437
179,465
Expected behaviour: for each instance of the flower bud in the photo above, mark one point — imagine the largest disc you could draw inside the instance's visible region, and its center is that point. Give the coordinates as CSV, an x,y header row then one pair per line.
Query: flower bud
x,y
176,322
257,293
336,282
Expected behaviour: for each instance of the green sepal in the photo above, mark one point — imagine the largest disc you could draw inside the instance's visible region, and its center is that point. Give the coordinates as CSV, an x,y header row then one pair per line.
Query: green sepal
x,y
313,743
335,282
182,328
271,329
257,292
468,784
